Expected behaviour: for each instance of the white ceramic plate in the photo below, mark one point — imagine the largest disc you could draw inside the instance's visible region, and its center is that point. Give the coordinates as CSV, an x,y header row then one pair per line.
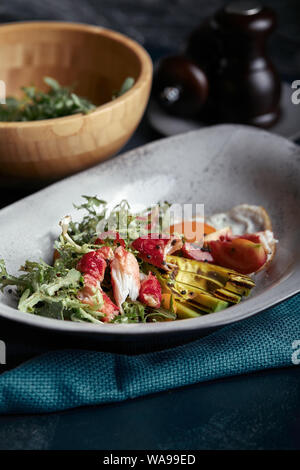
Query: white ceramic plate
x,y
288,125
219,166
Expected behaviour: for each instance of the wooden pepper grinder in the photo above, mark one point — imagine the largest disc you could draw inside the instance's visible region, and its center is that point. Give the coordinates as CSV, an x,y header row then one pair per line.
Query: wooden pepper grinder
x,y
248,87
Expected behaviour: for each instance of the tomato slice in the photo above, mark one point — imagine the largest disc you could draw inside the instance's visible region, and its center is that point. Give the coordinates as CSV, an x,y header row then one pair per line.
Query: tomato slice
x,y
253,237
193,230
242,255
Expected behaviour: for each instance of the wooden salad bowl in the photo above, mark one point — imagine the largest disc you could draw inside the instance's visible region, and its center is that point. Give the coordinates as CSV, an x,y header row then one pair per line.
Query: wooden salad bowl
x,y
97,61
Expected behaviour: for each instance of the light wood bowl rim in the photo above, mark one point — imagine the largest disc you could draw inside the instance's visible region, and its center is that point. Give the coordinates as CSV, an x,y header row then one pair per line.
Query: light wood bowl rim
x,y
143,56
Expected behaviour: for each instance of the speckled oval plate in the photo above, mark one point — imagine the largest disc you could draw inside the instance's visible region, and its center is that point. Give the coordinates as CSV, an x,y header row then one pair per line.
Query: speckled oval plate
x,y
220,166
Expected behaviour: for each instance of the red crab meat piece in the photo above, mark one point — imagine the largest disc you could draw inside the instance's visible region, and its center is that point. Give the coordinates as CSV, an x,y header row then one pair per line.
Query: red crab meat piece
x,y
93,263
150,291
85,295
193,251
154,250
106,252
109,308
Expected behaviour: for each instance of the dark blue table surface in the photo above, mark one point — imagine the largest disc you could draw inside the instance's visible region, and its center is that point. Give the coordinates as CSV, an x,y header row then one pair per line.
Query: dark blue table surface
x,y
257,411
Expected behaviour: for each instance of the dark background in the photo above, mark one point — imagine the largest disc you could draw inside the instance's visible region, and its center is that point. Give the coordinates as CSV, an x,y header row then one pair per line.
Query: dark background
x,y
258,411
159,24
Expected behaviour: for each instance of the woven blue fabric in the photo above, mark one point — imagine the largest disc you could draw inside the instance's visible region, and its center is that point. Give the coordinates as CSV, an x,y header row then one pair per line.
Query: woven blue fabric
x,y
67,379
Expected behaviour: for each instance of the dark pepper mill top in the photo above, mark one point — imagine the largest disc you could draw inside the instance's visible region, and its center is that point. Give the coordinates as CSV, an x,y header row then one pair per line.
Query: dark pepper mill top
x,y
245,7
245,26
249,87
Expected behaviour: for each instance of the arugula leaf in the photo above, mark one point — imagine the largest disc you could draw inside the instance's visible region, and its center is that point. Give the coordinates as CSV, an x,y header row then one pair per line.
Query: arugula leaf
x,y
52,83
35,105
126,85
86,230
83,316
8,280
160,314
71,279
134,312
51,310
59,101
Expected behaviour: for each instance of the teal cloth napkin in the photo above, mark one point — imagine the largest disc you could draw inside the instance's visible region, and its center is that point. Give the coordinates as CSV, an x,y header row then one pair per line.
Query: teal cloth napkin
x,y
71,378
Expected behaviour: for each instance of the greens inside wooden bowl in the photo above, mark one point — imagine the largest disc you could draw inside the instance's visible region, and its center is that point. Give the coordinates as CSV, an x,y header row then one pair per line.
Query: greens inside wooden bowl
x,y
58,101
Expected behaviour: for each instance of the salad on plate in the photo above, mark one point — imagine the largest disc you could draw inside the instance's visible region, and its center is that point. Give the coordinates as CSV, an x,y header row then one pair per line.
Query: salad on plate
x,y
117,266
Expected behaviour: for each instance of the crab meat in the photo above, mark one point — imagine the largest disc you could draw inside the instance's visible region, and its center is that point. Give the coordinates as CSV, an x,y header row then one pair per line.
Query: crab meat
x,y
93,263
91,294
150,291
154,250
125,276
86,295
106,252
109,308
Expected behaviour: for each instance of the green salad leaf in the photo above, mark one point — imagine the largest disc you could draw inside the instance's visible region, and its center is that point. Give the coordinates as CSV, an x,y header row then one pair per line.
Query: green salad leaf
x,y
126,86
59,101
134,312
35,105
